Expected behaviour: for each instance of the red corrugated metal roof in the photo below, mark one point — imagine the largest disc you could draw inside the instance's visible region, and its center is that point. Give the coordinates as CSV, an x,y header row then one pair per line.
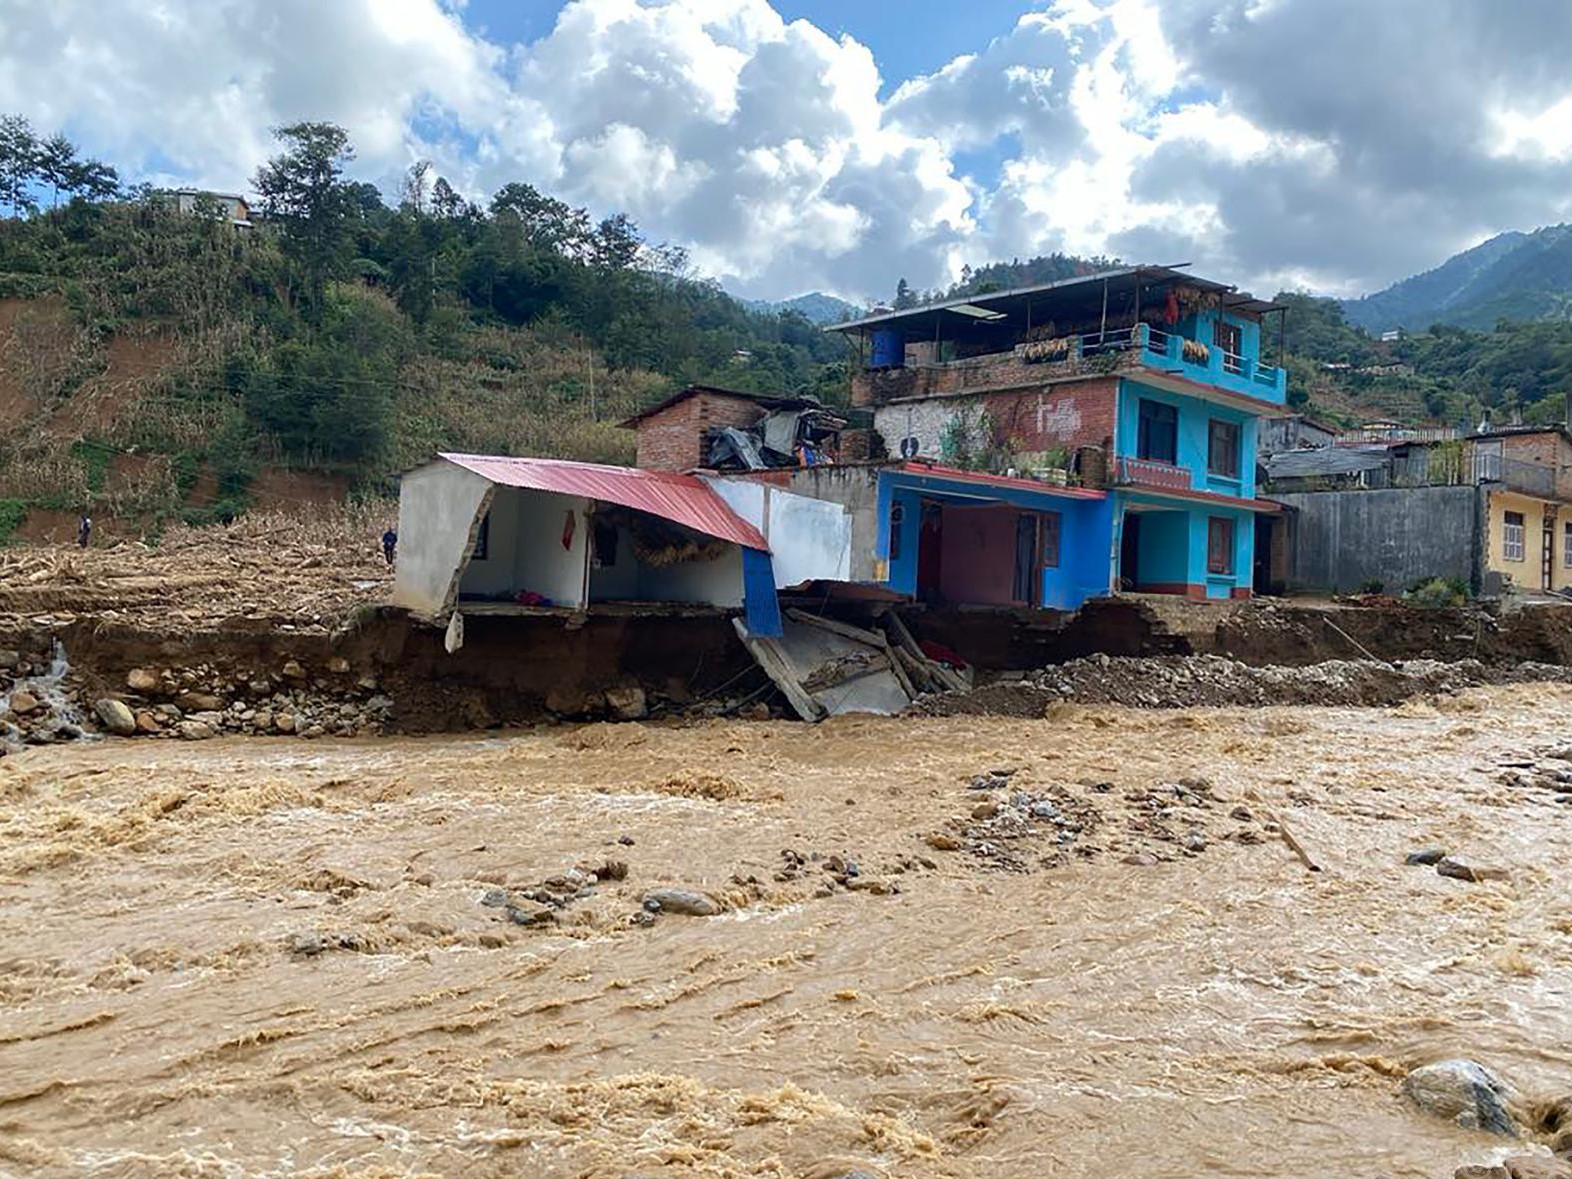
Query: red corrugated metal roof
x,y
671,495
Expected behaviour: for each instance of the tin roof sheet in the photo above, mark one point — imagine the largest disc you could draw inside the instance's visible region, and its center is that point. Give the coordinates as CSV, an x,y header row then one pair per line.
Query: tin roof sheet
x,y
686,499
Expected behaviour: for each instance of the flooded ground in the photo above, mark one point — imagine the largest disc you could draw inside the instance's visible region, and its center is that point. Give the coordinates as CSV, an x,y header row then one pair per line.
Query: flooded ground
x,y
276,957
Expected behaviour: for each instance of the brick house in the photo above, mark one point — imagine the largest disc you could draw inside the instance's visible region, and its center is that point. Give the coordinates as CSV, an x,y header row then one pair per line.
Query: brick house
x,y
672,433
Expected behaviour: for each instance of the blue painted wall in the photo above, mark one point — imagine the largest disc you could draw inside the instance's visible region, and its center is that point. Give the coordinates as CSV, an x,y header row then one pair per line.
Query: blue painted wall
x,y
1085,548
1173,544
1195,416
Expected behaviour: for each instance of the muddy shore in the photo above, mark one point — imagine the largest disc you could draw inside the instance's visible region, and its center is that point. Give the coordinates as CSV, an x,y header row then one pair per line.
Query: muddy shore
x,y
963,946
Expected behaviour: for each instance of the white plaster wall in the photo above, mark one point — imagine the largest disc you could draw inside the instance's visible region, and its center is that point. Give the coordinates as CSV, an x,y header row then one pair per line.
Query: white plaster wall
x,y
717,582
810,539
618,582
925,420
524,549
438,507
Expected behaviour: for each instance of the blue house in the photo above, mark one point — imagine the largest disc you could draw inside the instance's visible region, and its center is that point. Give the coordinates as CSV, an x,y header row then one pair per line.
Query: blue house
x,y
1048,444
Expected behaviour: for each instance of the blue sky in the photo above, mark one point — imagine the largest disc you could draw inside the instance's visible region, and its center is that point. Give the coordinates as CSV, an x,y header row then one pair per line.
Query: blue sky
x,y
840,145
908,37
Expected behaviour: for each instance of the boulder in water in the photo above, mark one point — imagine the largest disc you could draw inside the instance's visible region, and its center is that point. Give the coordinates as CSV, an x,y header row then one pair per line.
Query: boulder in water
x,y
681,900
115,717
1464,1092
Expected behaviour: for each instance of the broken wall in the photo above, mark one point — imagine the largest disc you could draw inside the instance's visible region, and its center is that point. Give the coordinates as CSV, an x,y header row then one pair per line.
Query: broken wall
x,y
810,538
437,509
536,541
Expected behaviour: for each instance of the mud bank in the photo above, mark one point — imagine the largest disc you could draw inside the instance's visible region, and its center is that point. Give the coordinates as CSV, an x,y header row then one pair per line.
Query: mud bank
x,y
948,948
382,672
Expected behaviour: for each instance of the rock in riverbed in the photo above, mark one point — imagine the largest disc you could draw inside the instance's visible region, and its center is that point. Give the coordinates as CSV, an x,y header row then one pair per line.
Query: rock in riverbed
x,y
115,717
1425,856
1464,1092
686,901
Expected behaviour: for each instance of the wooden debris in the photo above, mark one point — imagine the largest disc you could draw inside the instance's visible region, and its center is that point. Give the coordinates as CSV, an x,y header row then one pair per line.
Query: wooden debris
x,y
1295,846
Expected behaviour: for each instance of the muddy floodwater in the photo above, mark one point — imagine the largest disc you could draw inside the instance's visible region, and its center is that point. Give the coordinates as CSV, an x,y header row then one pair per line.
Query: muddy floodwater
x,y
946,947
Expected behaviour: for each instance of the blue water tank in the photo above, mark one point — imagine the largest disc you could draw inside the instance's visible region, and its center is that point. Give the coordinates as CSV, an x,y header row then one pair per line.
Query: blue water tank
x,y
889,350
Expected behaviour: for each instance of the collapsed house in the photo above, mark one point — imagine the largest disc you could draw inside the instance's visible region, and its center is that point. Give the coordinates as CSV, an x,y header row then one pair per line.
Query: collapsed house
x,y
498,537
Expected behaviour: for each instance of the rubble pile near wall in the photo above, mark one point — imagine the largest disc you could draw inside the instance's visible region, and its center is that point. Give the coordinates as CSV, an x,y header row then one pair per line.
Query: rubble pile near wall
x,y
1186,681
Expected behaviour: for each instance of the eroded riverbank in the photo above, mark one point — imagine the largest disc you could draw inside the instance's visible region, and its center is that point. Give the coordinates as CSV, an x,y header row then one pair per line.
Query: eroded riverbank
x,y
264,957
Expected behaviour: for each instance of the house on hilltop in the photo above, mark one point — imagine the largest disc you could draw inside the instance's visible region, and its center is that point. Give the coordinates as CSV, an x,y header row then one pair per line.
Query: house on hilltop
x,y
233,207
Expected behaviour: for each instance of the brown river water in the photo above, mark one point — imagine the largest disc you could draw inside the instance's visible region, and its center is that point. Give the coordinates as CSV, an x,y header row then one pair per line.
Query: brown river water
x,y
1031,1004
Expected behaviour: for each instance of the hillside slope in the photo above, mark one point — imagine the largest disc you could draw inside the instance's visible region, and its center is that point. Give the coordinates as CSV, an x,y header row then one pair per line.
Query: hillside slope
x,y
1519,277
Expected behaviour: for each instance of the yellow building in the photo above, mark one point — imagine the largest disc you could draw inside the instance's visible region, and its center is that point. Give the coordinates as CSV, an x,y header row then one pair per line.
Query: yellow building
x,y
1529,540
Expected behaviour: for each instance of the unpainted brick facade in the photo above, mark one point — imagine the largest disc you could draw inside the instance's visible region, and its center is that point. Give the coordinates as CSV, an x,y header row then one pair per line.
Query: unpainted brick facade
x,y
672,439
1062,416
1545,448
994,371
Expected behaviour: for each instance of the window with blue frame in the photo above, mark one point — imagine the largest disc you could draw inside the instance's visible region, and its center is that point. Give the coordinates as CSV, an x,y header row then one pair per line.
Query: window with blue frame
x,y
1157,432
1222,449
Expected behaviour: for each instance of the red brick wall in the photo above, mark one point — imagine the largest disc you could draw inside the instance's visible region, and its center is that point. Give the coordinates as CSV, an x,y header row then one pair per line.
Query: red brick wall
x,y
1549,450
1063,416
1079,413
672,439
877,386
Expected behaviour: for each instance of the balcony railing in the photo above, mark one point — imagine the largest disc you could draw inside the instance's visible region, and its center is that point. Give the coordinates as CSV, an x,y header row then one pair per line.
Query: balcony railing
x,y
1151,473
1108,351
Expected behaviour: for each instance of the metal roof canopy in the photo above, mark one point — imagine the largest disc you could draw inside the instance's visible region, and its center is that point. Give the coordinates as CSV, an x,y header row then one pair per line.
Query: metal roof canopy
x,y
921,322
684,499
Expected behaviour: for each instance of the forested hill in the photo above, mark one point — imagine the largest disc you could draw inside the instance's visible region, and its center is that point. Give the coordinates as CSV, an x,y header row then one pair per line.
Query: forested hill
x,y
156,362
1514,277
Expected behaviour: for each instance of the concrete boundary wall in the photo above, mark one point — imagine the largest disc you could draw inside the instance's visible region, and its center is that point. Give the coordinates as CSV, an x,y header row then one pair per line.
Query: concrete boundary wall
x,y
1340,540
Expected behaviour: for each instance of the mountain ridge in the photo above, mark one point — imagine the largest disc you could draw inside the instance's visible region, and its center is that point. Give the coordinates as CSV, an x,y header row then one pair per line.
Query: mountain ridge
x,y
1515,276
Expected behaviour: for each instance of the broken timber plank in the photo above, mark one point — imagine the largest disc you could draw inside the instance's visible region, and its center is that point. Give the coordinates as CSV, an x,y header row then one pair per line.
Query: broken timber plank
x,y
941,676
893,654
779,668
1294,845
915,671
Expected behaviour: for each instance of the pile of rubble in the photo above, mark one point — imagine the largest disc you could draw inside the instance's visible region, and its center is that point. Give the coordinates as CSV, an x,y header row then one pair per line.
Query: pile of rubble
x,y
1187,681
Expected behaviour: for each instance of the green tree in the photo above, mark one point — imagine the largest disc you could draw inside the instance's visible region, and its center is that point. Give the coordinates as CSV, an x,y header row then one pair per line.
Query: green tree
x,y
18,165
904,298
303,189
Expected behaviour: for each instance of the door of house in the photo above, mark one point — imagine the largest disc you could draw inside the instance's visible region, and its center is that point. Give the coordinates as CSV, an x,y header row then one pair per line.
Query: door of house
x,y
930,552
1547,551
1129,546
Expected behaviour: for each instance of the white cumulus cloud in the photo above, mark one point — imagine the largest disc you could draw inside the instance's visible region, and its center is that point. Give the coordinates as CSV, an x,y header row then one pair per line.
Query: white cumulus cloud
x,y
1325,142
